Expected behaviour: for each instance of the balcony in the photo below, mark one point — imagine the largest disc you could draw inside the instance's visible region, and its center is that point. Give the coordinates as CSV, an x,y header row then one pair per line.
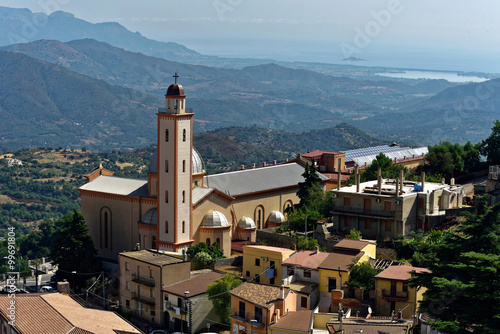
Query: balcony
x,y
148,281
143,299
369,213
174,307
248,316
396,295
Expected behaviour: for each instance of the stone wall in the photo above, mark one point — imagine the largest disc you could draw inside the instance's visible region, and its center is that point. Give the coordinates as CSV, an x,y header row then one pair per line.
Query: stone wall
x,y
386,253
270,238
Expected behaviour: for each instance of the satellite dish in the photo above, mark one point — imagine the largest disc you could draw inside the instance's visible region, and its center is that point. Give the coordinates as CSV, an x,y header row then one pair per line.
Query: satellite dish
x,y
369,310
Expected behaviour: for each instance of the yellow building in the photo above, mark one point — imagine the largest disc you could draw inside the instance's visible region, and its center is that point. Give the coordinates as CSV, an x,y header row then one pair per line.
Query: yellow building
x,y
142,275
179,204
264,263
256,306
393,293
334,272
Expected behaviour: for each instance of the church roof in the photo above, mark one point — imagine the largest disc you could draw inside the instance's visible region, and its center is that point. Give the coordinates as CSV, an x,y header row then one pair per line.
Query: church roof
x,y
117,186
259,179
175,90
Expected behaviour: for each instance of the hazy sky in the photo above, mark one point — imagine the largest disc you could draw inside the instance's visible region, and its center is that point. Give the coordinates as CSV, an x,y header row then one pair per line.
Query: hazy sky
x,y
355,27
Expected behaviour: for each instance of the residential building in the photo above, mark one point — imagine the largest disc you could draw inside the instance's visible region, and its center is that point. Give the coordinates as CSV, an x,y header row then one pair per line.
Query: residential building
x,y
301,274
300,322
393,292
179,204
142,275
263,263
187,305
334,272
386,208
256,306
57,313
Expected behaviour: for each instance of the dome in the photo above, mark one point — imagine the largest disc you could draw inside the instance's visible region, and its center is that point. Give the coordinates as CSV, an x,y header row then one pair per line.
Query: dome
x,y
175,90
246,223
214,219
276,217
150,217
197,162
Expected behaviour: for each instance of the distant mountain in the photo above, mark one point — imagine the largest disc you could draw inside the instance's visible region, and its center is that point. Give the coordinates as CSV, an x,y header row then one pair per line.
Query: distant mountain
x,y
458,114
46,105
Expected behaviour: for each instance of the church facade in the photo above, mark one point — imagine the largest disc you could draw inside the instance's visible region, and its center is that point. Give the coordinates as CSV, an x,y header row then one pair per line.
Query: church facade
x,y
179,204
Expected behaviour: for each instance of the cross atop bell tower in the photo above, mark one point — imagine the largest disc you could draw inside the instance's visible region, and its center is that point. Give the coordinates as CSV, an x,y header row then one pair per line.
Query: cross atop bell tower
x,y
175,76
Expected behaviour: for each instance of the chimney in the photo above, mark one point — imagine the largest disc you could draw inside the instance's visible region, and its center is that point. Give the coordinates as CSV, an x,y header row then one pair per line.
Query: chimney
x,y
242,167
423,181
263,164
379,180
253,166
286,160
452,181
274,162
356,179
397,186
316,250
282,292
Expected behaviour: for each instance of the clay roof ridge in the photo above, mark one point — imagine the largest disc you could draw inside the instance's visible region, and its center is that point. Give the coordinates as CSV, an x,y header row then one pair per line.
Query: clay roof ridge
x,y
52,307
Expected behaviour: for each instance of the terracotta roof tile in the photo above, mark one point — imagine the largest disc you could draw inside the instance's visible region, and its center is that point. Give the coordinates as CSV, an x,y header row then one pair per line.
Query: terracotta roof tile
x,y
195,285
298,321
400,273
340,260
306,259
259,294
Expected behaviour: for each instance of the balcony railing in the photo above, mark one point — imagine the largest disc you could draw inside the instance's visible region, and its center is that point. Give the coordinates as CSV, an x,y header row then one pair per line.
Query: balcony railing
x,y
247,317
361,211
143,299
174,307
148,281
401,295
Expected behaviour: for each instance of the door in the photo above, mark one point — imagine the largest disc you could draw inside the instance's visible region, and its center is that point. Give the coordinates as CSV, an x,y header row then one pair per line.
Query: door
x,y
368,205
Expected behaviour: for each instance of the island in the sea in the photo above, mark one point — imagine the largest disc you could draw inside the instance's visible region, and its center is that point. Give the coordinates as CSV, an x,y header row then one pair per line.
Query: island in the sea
x,y
353,59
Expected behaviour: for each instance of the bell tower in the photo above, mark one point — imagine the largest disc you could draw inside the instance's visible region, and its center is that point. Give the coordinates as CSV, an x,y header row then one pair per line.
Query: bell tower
x,y
175,147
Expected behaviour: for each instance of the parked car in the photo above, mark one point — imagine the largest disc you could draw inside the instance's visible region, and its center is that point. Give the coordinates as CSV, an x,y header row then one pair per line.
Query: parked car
x,y
47,288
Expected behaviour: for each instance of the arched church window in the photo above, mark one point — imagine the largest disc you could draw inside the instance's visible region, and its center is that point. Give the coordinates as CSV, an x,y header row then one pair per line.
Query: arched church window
x,y
184,135
106,228
208,242
183,196
166,166
218,241
106,236
259,216
166,196
175,103
166,135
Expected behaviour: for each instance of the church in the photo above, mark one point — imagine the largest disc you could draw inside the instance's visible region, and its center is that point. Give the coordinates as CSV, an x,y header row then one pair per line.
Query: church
x,y
179,204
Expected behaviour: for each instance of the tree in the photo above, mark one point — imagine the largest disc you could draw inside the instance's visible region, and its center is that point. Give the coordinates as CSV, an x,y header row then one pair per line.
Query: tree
x,y
217,292
202,260
353,234
462,288
310,189
490,147
363,276
303,243
213,250
73,249
387,167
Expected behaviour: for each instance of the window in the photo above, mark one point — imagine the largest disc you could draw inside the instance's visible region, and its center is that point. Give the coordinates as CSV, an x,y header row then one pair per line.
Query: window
x,y
183,196
347,221
258,314
208,242
106,230
150,273
218,242
166,135
368,223
247,273
307,273
153,242
126,266
166,166
127,285
259,214
387,206
303,302
257,279
405,287
127,303
388,225
347,201
183,166
166,196
183,226
152,314
151,293
257,262
166,226
332,284
184,135
241,311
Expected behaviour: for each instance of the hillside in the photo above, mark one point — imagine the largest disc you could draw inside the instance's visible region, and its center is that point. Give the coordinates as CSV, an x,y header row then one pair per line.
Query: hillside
x,y
47,105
